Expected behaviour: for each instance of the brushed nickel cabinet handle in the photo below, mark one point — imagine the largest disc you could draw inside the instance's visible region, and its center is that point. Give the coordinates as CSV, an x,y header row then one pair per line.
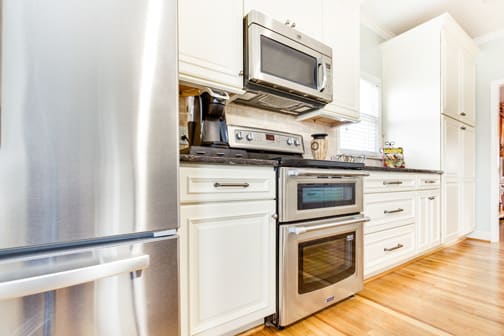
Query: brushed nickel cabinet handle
x,y
231,185
393,211
463,128
463,114
392,182
430,181
432,198
388,249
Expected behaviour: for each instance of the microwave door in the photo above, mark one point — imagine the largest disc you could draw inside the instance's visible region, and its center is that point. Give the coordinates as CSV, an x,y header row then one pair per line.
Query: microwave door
x,y
281,63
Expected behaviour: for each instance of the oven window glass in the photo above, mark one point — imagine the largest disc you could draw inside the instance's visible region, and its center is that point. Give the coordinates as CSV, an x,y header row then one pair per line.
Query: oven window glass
x,y
325,195
325,261
285,62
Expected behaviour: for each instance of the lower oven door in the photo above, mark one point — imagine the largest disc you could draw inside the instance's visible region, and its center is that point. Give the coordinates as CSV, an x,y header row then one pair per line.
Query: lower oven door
x,y
321,263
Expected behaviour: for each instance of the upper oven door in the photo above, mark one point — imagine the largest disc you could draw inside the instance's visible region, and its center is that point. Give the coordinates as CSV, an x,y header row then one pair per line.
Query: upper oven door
x,y
316,193
282,63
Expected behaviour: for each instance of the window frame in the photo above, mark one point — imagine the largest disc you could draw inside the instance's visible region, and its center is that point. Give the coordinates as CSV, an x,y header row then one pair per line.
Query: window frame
x,y
378,82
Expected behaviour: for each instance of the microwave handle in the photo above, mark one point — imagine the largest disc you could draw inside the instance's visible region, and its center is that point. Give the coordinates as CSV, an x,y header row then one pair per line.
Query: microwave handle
x,y
323,85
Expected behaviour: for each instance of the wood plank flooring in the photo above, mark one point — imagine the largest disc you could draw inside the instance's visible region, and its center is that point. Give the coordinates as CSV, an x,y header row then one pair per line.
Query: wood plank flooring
x,y
456,291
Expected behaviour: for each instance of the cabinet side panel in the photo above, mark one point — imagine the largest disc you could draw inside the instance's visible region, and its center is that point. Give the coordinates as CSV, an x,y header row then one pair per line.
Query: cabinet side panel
x,y
412,95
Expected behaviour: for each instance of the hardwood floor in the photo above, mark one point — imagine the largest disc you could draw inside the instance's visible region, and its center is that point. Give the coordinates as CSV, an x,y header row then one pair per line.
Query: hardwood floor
x,y
456,291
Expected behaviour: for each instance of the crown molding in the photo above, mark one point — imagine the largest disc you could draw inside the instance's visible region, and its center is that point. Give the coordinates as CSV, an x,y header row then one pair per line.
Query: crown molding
x,y
489,37
376,27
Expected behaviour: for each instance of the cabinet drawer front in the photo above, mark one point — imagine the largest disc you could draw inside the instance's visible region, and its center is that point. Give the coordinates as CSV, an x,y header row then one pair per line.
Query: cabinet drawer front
x,y
389,210
224,183
388,248
429,181
384,182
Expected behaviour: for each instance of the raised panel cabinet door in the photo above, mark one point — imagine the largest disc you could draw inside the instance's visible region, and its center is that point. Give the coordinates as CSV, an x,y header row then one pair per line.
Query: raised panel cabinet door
x,y
468,93
428,222
231,264
468,221
305,15
452,162
451,211
468,136
341,26
211,43
451,74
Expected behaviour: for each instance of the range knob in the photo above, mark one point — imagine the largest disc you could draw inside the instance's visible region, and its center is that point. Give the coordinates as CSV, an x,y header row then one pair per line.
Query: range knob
x,y
250,137
297,142
239,135
290,141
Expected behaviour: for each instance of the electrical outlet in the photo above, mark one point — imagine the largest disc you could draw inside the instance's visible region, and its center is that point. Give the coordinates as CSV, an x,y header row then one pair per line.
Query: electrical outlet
x,y
183,135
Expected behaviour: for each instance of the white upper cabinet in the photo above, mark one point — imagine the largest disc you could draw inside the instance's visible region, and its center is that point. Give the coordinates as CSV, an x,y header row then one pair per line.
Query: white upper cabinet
x,y
342,32
211,43
458,64
303,15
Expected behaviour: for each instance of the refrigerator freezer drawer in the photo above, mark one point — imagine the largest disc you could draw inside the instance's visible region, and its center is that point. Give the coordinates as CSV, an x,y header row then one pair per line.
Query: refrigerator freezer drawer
x,y
127,289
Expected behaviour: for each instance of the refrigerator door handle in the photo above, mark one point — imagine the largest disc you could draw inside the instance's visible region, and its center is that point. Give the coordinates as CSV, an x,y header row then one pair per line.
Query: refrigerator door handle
x,y
48,282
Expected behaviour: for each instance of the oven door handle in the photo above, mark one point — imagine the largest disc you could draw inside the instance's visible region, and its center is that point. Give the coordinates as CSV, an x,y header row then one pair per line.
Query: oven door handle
x,y
302,172
303,229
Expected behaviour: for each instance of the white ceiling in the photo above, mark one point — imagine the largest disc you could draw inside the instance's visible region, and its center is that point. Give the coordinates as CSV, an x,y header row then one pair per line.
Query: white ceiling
x,y
477,17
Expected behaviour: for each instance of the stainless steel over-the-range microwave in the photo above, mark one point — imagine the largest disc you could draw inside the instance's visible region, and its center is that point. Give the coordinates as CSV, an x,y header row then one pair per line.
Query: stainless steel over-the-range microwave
x,y
284,70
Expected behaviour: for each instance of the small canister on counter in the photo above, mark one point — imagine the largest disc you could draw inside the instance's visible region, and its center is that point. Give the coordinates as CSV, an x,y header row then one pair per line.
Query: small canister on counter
x,y
319,146
393,157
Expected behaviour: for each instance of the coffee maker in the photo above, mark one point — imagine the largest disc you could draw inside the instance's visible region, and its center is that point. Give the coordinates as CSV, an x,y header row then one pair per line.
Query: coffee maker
x,y
207,126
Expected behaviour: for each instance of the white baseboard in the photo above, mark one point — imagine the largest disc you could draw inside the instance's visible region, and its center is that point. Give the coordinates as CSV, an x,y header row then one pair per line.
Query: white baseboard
x,y
482,235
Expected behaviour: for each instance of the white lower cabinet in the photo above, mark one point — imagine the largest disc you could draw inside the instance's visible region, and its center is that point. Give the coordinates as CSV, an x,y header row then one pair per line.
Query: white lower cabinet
x,y
405,218
452,210
388,248
227,258
428,223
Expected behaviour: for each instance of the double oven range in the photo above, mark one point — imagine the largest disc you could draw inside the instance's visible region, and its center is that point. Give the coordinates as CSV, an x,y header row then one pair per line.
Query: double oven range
x,y
320,234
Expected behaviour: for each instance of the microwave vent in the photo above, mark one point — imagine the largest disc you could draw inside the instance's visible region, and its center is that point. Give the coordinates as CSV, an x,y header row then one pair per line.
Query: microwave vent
x,y
278,102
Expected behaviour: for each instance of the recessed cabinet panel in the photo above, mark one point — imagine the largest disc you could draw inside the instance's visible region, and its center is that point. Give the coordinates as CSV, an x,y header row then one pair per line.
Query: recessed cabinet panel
x,y
231,264
304,15
451,211
211,43
428,223
453,160
388,210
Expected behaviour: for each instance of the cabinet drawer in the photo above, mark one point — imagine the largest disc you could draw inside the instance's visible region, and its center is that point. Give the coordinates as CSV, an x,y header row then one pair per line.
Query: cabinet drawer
x,y
388,248
389,210
429,181
224,183
384,182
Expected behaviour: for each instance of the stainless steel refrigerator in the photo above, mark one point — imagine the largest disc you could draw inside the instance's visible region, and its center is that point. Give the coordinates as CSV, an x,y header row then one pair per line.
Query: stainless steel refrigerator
x,y
88,167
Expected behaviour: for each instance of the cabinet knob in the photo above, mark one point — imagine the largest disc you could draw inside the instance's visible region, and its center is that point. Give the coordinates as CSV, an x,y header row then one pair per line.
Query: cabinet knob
x,y
463,128
274,216
463,114
432,198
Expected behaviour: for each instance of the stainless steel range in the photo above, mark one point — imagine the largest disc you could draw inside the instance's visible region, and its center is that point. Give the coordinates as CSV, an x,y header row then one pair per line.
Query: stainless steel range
x,y
320,234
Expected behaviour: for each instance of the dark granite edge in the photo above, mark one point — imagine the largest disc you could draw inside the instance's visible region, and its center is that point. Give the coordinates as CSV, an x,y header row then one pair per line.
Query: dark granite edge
x,y
403,170
187,158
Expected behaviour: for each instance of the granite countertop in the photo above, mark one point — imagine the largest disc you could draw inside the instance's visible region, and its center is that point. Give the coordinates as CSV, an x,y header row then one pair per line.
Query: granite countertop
x,y
403,170
187,158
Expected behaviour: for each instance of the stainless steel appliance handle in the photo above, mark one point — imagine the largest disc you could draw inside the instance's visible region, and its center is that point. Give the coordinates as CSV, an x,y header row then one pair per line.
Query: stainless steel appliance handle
x,y
328,173
393,211
231,185
303,229
323,85
48,282
392,182
388,249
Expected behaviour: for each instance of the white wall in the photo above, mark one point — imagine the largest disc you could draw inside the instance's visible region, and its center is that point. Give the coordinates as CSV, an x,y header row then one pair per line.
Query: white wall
x,y
490,66
371,60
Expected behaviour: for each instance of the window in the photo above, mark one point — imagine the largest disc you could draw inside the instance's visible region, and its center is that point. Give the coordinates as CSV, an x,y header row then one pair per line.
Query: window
x,y
365,137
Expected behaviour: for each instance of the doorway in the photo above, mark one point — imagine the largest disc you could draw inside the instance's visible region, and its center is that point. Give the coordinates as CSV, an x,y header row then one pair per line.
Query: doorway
x,y
497,160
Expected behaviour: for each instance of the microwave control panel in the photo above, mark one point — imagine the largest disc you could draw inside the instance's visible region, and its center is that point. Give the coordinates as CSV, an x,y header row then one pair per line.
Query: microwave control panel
x,y
264,140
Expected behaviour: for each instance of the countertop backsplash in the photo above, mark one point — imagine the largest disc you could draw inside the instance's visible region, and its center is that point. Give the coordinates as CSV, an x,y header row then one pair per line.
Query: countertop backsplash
x,y
253,117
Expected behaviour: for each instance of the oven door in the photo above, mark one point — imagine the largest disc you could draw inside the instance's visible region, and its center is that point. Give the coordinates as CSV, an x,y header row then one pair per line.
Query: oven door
x,y
282,63
320,264
317,193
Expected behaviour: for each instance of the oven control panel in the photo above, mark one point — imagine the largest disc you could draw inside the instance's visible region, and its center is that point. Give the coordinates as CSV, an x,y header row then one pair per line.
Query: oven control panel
x,y
264,140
